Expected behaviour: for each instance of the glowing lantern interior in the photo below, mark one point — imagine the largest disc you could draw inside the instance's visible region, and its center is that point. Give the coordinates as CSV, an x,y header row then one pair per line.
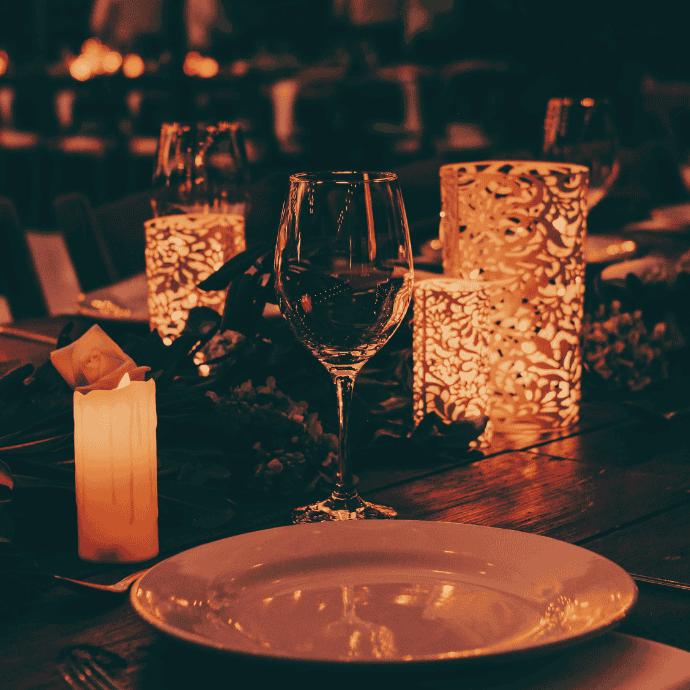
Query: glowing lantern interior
x,y
451,367
524,221
181,251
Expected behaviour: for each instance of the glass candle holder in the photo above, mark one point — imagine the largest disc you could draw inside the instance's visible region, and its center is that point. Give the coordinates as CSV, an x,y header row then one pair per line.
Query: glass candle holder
x,y
523,222
199,208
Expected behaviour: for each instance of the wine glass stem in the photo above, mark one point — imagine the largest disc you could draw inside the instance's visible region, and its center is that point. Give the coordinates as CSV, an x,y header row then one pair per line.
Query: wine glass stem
x,y
345,487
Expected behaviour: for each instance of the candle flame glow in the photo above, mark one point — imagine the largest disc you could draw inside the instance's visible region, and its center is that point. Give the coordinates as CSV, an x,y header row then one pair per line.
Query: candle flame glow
x,y
124,381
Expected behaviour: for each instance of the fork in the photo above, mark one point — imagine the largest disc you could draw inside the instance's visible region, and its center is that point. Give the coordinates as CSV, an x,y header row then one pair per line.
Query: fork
x,y
118,588
81,671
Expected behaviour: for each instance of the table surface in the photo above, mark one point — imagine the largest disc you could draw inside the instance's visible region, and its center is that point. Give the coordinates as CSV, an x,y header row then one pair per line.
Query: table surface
x,y
615,484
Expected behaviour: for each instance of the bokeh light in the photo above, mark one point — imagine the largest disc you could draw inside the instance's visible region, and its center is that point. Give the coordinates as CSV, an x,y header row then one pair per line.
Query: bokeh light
x,y
197,66
132,66
80,68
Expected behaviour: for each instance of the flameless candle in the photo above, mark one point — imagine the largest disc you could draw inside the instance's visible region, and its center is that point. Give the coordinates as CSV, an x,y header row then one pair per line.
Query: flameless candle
x,y
116,472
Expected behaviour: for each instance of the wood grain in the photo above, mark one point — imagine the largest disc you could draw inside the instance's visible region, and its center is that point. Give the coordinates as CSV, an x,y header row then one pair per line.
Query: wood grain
x,y
630,445
536,493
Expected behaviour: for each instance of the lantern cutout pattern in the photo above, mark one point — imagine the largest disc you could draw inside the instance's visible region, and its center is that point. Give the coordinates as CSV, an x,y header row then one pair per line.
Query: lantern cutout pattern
x,y
523,222
181,251
199,203
451,367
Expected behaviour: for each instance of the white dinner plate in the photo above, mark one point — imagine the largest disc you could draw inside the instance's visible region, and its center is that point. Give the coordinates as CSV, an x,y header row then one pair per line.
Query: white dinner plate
x,y
615,661
385,592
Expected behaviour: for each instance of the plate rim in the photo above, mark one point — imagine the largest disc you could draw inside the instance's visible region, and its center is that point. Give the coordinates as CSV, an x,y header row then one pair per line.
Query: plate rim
x,y
498,656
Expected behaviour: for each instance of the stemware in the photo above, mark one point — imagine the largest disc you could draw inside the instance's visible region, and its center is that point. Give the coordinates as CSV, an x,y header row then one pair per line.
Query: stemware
x,y
343,273
583,131
199,203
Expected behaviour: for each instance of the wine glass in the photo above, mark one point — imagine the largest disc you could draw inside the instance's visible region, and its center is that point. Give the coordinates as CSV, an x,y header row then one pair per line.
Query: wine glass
x,y
199,206
343,274
583,131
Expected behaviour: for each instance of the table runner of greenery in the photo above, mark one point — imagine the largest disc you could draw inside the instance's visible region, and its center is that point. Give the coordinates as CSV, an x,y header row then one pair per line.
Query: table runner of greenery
x,y
262,425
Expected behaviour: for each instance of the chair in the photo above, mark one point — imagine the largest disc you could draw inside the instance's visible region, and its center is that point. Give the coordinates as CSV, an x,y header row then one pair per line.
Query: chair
x,y
481,108
106,244
83,237
18,278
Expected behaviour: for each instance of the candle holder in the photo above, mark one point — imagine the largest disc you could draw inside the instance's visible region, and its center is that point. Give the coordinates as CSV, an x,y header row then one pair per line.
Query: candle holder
x,y
451,365
523,222
199,222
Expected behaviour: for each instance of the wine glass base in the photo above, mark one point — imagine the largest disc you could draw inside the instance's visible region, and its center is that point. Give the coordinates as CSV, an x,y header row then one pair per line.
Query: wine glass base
x,y
337,509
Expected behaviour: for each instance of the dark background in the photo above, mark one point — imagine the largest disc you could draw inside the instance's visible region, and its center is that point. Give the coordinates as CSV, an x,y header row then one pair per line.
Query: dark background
x,y
635,53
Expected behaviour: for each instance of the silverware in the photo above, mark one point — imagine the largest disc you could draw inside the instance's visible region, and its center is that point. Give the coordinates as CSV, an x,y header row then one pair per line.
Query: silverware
x,y
81,671
118,588
660,581
27,335
106,308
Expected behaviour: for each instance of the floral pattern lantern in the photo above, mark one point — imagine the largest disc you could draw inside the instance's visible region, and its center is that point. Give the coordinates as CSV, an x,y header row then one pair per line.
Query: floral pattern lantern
x,y
199,207
451,367
523,222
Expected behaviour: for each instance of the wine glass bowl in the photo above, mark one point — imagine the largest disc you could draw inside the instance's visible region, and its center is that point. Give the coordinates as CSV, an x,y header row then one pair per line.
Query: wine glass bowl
x,y
343,274
583,130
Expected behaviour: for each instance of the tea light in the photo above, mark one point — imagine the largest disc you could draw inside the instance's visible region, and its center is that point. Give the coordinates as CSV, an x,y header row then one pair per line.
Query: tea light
x,y
116,472
451,365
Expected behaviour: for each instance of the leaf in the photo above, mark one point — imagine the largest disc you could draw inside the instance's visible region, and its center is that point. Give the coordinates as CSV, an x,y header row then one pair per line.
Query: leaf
x,y
11,383
239,304
455,435
234,268
202,506
6,527
45,445
26,482
42,427
6,478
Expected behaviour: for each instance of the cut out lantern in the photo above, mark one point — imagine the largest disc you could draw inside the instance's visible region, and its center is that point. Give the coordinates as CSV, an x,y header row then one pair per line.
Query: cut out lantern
x,y
523,222
200,210
451,366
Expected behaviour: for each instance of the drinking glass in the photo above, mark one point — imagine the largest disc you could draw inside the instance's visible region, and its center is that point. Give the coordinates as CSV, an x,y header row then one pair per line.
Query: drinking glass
x,y
343,271
583,131
199,204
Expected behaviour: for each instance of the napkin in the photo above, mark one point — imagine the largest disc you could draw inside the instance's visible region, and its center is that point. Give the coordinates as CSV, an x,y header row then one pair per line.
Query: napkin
x,y
95,362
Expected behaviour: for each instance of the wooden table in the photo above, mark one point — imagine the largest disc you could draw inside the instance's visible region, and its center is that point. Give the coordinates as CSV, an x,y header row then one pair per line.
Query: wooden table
x,y
615,484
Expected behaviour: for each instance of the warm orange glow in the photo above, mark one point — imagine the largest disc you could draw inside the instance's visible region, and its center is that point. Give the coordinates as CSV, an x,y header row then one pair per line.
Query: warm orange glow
x,y
80,68
208,68
91,46
240,68
132,66
190,63
587,102
4,62
524,222
116,472
197,66
451,364
94,59
181,251
112,61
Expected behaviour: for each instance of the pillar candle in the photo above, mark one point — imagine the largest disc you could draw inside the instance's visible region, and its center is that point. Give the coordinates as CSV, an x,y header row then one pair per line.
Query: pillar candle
x,y
116,472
